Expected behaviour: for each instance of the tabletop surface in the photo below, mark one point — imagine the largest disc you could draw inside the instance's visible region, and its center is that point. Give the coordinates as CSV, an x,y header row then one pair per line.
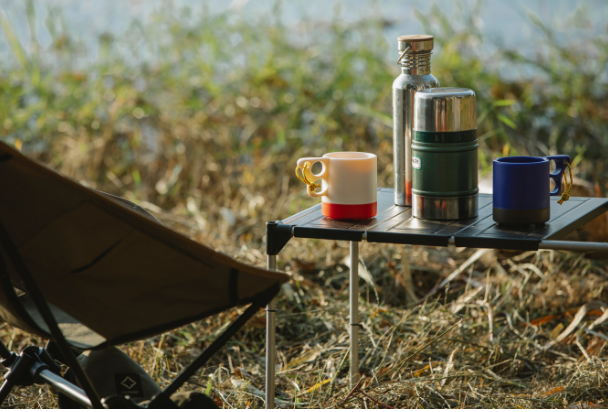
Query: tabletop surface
x,y
395,224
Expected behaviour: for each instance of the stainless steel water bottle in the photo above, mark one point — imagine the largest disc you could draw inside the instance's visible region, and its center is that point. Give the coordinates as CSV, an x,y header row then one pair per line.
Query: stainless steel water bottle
x,y
444,154
415,61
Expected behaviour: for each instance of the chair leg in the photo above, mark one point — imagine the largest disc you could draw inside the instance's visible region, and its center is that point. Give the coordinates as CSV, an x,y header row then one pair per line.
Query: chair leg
x,y
271,326
8,360
6,388
24,369
4,352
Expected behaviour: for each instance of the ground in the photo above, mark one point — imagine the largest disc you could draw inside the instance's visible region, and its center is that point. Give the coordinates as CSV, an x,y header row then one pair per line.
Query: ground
x,y
485,340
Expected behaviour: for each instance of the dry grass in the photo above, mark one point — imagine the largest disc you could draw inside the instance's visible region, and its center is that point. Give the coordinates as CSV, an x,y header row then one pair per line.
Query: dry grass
x,y
479,342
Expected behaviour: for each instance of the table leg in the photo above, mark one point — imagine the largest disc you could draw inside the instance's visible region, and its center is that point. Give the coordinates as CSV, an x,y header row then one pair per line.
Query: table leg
x,y
354,313
271,325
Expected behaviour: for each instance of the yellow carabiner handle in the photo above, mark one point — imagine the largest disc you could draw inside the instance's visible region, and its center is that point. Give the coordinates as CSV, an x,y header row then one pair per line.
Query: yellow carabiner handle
x,y
301,173
566,193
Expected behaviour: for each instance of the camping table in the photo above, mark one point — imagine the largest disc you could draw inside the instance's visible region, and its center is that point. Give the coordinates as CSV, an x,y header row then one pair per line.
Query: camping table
x,y
395,224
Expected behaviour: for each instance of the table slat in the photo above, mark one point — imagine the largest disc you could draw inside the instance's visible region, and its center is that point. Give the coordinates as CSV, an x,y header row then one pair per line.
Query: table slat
x,y
395,224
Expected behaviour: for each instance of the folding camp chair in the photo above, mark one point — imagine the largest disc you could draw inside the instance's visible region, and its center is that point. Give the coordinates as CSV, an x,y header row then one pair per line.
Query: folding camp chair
x,y
89,271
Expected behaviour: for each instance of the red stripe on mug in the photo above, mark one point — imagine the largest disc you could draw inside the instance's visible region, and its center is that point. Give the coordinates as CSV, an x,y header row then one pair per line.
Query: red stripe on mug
x,y
353,212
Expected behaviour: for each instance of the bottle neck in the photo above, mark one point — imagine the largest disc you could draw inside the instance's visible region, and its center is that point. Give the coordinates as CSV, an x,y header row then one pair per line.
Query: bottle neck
x,y
416,64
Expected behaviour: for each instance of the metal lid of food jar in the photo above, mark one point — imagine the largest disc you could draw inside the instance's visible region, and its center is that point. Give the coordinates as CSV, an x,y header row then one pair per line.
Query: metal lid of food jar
x,y
445,109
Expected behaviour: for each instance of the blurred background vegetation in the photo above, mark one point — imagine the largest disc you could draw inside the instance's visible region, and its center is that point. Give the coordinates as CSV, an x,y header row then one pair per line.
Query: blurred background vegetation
x,y
202,115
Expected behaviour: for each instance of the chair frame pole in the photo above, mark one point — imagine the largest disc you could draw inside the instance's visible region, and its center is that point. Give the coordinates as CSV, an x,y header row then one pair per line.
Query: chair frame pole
x,y
6,389
26,369
4,352
47,315
271,347
65,387
162,398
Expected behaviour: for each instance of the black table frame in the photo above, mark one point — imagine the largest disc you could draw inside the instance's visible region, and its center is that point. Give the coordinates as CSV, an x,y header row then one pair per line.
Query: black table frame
x,y
395,224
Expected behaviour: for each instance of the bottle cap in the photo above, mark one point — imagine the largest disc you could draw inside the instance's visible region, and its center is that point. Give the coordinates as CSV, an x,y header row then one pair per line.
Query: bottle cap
x,y
445,109
418,43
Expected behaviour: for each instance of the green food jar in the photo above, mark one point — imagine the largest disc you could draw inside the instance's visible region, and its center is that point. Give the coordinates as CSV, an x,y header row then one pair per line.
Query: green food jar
x,y
444,154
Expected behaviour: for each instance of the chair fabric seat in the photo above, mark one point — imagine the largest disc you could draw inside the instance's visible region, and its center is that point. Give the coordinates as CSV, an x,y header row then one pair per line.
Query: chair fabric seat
x,y
111,273
77,334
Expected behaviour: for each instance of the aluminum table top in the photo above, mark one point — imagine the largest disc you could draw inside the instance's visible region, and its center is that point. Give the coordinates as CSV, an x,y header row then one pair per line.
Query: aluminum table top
x,y
395,224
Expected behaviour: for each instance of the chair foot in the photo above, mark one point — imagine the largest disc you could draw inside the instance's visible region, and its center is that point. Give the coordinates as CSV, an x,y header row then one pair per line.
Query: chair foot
x,y
24,369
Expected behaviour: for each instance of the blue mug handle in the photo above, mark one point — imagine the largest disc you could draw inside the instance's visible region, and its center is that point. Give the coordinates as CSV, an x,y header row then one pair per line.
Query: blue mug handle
x,y
560,168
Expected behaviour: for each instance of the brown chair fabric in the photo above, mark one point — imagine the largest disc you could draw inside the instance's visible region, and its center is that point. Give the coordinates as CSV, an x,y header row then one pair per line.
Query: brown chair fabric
x,y
98,261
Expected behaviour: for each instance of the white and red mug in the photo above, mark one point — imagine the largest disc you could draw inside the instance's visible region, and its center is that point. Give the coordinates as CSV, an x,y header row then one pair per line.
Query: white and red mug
x,y
349,183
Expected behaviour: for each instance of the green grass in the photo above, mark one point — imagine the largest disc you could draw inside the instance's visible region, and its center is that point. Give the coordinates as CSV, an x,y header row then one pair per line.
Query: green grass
x,y
221,105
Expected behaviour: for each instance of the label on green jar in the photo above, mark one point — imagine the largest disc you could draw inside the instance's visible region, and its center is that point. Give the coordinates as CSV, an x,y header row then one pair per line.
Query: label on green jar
x,y
416,162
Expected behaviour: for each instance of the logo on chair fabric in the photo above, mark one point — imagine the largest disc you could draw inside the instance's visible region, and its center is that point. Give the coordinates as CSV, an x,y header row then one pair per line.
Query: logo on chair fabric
x,y
129,384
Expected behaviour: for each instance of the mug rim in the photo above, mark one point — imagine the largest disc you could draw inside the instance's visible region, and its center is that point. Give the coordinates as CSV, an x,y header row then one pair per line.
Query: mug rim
x,y
362,156
513,160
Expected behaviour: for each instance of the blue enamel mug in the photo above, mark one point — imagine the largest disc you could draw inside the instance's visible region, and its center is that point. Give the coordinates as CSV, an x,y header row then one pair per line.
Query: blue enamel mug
x,y
522,188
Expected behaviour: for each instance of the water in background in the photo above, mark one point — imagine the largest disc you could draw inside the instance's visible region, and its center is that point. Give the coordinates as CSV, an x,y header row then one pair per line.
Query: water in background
x,y
504,23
